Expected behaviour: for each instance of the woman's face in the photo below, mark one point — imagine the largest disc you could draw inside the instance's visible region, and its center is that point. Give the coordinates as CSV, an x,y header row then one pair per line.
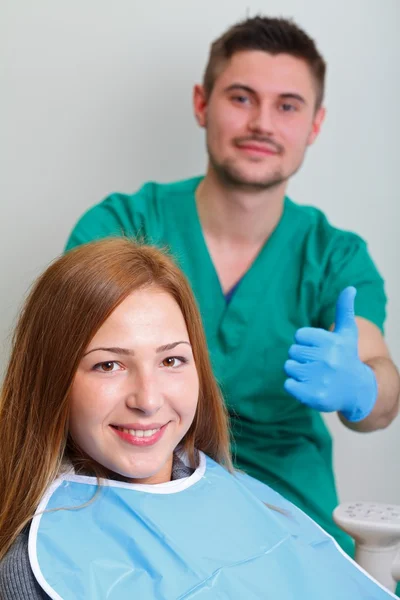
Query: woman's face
x,y
136,389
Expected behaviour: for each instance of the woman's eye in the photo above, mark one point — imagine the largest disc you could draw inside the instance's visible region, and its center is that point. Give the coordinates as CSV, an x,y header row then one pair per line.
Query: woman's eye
x,y
173,361
107,367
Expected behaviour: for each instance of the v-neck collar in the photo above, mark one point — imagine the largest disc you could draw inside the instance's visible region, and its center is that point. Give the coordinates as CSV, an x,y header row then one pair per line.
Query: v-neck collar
x,y
228,320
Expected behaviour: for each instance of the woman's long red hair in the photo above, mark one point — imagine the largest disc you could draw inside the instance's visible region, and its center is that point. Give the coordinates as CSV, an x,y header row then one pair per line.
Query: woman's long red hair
x,y
65,308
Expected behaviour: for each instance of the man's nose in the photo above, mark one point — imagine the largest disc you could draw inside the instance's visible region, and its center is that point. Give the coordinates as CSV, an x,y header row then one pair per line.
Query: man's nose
x,y
262,119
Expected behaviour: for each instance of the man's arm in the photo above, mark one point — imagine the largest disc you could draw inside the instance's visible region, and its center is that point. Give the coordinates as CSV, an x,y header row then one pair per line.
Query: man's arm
x,y
346,370
374,353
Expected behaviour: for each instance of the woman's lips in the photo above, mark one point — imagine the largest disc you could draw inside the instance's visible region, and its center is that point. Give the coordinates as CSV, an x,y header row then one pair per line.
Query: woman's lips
x,y
140,436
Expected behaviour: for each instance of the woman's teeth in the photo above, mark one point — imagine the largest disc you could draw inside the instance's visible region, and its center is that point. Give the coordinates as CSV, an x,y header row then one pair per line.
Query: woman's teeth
x,y
139,432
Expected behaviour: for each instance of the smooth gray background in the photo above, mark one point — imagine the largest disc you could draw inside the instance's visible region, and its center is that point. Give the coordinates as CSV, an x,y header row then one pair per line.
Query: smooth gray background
x,y
96,97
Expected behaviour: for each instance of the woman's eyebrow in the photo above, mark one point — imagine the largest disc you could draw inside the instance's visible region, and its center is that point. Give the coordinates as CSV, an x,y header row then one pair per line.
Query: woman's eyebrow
x,y
129,352
113,350
171,346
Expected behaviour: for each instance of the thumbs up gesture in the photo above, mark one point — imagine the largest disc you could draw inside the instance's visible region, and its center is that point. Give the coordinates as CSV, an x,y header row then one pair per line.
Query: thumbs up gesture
x,y
324,369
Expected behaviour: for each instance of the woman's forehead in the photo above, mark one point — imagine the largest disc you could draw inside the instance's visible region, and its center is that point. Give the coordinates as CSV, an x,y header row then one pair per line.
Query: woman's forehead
x,y
148,315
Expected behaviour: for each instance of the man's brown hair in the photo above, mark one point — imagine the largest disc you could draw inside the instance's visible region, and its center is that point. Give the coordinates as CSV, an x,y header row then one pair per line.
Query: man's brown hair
x,y
272,35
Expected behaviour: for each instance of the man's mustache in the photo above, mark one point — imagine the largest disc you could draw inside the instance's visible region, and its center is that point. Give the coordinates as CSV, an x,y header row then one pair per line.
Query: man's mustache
x,y
260,139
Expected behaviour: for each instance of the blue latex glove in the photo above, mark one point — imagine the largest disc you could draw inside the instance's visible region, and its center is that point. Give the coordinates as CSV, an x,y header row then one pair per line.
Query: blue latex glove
x,y
324,368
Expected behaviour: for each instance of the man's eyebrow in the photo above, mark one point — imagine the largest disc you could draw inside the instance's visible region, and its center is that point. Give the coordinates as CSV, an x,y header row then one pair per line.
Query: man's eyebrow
x,y
293,96
239,86
249,90
129,352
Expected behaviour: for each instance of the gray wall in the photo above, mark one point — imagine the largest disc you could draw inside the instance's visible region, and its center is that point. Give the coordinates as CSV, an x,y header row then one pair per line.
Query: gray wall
x,y
96,97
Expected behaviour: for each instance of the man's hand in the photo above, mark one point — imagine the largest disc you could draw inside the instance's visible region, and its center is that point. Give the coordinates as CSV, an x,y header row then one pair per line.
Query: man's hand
x,y
324,368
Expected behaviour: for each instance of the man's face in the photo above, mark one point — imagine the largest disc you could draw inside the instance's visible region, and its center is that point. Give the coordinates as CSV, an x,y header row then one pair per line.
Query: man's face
x,y
260,118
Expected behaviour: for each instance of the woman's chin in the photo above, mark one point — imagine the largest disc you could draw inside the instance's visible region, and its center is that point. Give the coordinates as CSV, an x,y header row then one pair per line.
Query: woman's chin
x,y
146,474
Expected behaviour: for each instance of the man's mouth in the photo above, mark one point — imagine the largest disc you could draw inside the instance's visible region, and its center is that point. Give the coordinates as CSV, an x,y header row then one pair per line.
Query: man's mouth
x,y
261,146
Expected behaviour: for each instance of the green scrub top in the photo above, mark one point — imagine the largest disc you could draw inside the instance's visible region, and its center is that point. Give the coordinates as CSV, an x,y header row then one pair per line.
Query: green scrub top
x,y
294,282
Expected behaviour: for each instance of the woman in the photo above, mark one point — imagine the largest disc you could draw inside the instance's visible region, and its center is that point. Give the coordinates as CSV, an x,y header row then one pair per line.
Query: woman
x,y
115,473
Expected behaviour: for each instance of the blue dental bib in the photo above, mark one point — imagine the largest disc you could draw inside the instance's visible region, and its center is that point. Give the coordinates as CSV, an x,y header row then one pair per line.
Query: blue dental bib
x,y
205,537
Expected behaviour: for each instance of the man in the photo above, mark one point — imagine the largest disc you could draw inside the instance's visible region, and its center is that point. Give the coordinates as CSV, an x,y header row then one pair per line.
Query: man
x,y
268,273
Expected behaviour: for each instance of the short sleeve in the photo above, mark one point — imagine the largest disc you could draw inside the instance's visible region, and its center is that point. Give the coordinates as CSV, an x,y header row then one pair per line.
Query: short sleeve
x,y
349,263
119,215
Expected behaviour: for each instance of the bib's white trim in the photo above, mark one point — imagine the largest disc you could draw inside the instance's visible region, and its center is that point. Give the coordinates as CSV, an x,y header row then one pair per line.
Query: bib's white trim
x,y
170,487
33,539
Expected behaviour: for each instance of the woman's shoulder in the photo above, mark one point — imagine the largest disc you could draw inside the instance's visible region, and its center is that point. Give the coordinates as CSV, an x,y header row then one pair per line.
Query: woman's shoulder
x,y
16,578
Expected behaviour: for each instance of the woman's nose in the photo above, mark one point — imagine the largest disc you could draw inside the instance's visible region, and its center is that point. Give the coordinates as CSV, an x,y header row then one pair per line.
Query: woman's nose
x,y
144,394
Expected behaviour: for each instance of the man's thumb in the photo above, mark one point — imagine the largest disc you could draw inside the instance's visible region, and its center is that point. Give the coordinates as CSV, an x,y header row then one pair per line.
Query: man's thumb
x,y
345,318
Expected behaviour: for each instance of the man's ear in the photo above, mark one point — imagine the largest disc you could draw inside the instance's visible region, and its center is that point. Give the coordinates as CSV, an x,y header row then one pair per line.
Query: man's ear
x,y
200,105
316,125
